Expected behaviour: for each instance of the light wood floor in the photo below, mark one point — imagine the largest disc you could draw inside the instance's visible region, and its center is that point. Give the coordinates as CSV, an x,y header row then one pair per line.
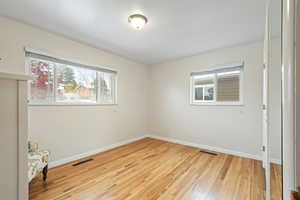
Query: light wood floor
x,y
154,169
276,182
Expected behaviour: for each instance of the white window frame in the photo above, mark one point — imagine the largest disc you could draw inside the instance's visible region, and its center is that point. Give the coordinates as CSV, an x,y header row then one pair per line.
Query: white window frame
x,y
96,68
214,101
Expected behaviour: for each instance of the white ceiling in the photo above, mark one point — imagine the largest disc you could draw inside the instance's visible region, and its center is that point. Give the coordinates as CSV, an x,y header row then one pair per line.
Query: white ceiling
x,y
176,28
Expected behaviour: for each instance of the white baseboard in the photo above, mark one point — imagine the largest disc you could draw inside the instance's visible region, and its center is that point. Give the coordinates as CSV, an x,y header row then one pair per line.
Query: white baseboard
x,y
276,161
211,148
168,139
90,153
203,146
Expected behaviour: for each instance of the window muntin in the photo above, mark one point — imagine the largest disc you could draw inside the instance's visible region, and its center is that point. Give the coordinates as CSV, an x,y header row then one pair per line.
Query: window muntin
x,y
60,83
220,86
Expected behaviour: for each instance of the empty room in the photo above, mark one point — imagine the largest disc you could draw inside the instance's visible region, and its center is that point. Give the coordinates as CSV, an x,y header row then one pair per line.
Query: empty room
x,y
149,100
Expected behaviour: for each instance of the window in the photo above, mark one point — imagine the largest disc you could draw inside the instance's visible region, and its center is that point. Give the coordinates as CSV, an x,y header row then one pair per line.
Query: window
x,y
62,82
220,86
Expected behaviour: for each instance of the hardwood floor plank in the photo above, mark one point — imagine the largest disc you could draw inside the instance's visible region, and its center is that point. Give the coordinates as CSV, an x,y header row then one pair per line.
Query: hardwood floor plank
x,y
151,169
276,181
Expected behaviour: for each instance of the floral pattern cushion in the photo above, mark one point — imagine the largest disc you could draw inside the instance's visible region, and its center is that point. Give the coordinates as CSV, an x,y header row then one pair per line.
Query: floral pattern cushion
x,y
36,163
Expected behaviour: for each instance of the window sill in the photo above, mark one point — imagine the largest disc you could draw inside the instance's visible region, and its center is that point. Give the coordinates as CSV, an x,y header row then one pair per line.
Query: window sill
x,y
75,104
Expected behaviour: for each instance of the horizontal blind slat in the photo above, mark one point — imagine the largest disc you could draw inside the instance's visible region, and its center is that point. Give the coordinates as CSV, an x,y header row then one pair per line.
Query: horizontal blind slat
x,y
220,70
228,88
66,62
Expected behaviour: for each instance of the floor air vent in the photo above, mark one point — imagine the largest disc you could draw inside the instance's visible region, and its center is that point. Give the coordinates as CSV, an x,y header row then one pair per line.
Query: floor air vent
x,y
210,153
82,162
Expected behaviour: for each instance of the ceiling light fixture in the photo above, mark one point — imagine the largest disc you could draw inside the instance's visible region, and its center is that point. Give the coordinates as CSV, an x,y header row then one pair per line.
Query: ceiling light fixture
x,y
137,21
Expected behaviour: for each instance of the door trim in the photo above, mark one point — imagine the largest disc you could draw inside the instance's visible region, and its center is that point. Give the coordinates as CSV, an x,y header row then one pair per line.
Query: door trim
x,y
288,97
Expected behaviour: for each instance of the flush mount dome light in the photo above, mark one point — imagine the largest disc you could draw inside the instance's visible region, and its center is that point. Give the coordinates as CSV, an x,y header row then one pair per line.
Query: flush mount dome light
x,y
137,21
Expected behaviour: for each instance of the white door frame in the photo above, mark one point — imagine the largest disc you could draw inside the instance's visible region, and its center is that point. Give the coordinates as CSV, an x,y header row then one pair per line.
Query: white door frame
x,y
288,97
265,105
22,141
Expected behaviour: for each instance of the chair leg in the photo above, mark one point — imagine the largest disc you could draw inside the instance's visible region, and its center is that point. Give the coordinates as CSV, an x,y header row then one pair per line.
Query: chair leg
x,y
45,172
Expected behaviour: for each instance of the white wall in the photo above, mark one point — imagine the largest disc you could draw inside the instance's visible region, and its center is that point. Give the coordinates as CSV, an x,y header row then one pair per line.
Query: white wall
x,y
234,128
71,130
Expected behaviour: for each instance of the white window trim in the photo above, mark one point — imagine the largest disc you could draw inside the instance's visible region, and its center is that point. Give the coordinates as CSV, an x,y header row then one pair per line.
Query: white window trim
x,y
97,103
214,102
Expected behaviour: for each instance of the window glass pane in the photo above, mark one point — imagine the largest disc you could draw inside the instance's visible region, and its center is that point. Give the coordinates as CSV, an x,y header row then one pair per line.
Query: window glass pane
x,y
41,87
62,82
228,86
75,85
209,93
199,94
107,87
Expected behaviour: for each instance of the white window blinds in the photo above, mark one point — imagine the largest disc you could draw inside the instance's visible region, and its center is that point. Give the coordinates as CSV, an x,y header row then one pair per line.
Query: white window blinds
x,y
228,86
